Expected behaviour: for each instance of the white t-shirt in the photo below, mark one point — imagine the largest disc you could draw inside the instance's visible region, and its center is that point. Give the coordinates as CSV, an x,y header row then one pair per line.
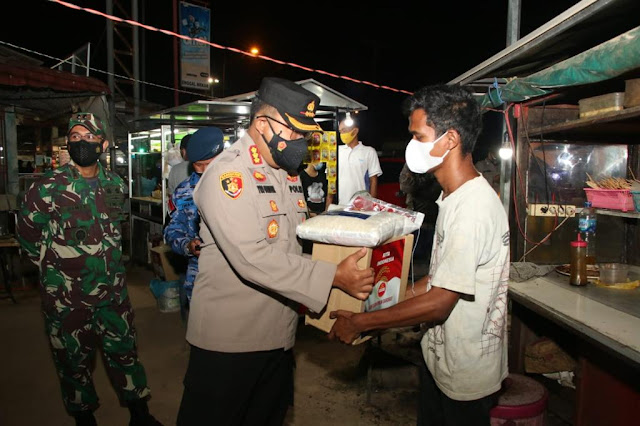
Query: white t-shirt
x,y
355,168
467,354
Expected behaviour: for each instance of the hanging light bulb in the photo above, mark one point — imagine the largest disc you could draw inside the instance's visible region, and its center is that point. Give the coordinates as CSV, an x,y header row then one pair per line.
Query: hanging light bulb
x,y
348,121
505,152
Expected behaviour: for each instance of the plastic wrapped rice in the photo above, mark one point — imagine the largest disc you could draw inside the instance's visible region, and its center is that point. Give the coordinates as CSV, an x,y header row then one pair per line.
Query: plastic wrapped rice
x,y
355,228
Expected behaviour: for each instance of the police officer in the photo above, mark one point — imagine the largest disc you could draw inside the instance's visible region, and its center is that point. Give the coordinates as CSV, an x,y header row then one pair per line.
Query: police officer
x,y
69,225
182,231
242,322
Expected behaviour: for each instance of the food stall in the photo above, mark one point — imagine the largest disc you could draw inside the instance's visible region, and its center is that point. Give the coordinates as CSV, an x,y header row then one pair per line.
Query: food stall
x,y
559,90
157,139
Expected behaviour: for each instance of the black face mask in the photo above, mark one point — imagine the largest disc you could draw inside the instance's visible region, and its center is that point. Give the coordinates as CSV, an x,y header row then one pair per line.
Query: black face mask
x,y
287,154
85,153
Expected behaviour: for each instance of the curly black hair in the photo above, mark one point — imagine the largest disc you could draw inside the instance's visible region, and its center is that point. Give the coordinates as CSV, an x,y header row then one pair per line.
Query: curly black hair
x,y
449,107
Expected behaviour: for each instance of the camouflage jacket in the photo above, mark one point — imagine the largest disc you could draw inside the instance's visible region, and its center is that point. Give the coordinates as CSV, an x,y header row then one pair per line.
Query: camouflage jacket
x,y
72,232
184,226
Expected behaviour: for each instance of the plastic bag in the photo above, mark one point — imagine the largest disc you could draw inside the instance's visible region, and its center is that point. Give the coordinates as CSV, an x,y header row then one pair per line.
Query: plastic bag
x,y
363,201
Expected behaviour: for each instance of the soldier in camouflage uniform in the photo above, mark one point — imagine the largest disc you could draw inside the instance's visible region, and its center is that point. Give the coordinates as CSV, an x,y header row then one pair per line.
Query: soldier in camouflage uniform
x,y
182,231
69,225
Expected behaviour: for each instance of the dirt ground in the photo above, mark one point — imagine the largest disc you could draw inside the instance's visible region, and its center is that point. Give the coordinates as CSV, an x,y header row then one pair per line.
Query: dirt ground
x,y
331,380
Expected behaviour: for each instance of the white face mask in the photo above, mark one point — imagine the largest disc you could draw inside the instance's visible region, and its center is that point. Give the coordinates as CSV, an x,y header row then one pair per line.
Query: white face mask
x,y
419,158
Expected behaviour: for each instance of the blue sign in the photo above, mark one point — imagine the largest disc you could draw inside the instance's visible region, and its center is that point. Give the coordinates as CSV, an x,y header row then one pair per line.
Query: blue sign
x,y
195,22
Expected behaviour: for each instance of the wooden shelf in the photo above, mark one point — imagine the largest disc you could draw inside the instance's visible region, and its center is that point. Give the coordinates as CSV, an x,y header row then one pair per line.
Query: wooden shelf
x,y
627,124
618,213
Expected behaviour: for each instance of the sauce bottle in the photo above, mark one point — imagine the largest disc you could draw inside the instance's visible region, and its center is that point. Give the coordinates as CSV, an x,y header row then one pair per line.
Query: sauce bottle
x,y
578,262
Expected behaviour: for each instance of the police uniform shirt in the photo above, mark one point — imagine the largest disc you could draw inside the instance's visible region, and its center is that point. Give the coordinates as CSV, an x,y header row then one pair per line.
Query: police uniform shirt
x,y
251,263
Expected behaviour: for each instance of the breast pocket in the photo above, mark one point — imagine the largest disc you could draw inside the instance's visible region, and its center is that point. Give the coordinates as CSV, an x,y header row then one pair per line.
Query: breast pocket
x,y
273,220
114,202
300,207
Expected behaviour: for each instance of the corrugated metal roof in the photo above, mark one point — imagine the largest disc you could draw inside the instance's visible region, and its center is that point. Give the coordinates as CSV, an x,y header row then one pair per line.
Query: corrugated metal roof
x,y
39,77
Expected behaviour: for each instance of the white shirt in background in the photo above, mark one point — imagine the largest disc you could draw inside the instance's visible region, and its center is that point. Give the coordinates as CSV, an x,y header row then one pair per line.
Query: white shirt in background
x,y
467,354
355,167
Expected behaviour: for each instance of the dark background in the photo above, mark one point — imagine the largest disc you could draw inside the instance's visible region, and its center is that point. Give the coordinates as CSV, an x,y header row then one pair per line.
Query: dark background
x,y
404,47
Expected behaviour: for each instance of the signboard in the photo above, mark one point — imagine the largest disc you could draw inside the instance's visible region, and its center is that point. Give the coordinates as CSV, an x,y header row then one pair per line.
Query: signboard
x,y
195,22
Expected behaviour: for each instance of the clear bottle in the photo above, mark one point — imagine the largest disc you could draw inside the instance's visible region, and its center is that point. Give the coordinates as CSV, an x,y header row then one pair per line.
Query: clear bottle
x,y
578,262
587,221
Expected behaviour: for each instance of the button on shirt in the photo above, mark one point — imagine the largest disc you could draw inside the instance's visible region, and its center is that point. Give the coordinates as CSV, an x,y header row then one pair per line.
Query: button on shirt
x,y
356,166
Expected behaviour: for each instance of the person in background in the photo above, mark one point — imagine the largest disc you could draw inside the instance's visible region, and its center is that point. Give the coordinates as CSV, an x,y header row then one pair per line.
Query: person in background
x,y
180,171
490,169
463,300
182,232
252,274
422,191
69,226
358,165
314,184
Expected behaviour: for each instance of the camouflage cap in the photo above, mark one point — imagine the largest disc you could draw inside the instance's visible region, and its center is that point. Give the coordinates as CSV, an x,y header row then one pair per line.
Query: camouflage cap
x,y
89,121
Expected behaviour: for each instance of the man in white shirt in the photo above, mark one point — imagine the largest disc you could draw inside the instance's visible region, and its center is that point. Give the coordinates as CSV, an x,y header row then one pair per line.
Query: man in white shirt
x,y
358,165
180,171
463,300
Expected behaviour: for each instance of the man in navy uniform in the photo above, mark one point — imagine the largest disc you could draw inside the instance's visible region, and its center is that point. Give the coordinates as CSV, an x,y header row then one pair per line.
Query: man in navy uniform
x,y
182,231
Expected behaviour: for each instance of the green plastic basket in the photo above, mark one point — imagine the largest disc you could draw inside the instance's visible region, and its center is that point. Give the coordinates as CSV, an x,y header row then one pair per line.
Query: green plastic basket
x,y
636,199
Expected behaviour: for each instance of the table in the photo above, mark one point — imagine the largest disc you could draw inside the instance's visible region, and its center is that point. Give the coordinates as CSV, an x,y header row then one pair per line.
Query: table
x,y
6,244
600,327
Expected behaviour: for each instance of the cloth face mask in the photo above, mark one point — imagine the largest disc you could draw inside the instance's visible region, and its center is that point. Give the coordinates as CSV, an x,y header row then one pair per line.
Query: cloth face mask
x,y
419,158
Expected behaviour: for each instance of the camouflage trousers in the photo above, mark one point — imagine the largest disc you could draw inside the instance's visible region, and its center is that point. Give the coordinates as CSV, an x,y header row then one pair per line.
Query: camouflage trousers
x,y
74,336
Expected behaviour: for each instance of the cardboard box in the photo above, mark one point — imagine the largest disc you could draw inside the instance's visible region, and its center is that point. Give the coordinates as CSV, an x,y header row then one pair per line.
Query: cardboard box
x,y
602,104
632,93
390,260
160,262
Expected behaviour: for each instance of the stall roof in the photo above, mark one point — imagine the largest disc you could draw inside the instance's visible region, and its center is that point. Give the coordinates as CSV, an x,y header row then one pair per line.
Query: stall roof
x,y
43,91
233,111
329,98
29,76
581,27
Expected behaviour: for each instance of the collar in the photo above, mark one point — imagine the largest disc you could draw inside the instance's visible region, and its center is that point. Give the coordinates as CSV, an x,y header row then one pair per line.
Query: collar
x,y
459,192
75,173
344,146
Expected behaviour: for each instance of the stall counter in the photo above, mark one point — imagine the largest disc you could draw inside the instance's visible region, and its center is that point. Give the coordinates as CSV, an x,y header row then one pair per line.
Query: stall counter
x,y
599,326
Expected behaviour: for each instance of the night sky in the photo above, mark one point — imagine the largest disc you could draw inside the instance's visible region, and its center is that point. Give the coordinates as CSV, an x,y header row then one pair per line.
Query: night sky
x,y
402,47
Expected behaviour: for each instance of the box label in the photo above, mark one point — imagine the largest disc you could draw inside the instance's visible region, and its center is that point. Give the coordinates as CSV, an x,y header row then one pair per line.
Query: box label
x,y
386,261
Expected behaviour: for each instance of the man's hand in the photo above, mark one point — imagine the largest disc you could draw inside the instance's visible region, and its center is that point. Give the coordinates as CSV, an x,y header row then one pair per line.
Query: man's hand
x,y
345,328
353,280
194,247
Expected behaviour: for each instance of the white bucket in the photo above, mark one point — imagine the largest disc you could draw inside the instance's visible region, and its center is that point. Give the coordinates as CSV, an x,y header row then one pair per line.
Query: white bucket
x,y
170,301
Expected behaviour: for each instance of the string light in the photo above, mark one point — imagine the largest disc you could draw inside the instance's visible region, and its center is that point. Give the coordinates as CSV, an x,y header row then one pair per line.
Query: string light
x,y
219,46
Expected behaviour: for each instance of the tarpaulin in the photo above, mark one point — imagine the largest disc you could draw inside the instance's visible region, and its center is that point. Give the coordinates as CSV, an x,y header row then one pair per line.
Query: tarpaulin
x,y
610,59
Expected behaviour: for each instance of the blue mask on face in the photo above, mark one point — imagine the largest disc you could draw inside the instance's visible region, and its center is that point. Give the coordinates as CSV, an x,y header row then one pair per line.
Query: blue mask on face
x,y
319,166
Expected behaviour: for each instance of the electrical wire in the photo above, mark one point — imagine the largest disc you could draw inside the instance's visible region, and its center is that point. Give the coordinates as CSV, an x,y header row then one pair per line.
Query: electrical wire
x,y
413,276
544,239
515,204
221,47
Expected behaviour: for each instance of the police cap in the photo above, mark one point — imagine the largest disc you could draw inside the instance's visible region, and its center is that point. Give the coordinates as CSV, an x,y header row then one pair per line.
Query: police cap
x,y
296,105
205,143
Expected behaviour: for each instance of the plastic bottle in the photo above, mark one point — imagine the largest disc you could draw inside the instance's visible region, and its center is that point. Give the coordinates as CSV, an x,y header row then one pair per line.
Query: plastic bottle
x,y
587,230
578,262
